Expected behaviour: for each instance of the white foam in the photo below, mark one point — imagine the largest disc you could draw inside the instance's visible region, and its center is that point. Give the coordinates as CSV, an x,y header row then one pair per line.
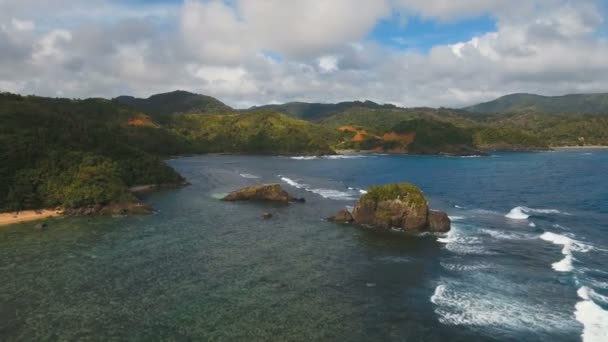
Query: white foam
x,y
532,224
569,245
293,183
517,213
592,316
564,265
457,303
438,294
332,194
248,176
461,267
458,207
504,235
459,243
346,156
304,158
522,213
362,192
456,218
325,193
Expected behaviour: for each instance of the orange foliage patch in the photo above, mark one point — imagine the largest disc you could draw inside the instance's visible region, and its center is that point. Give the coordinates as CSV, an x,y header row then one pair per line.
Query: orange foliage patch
x,y
403,138
142,121
360,134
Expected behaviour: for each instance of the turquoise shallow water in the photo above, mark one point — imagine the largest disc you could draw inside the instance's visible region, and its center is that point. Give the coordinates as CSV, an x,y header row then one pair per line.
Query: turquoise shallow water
x,y
202,269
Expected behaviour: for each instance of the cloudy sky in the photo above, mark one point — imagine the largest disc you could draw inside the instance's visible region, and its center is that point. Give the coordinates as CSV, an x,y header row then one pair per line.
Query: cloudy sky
x,y
246,52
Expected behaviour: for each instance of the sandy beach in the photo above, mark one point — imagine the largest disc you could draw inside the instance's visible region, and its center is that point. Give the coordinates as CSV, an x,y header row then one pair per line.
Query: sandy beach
x,y
26,216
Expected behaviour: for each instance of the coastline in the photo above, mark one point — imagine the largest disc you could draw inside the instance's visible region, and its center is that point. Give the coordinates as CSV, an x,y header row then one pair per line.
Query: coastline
x,y
586,147
7,219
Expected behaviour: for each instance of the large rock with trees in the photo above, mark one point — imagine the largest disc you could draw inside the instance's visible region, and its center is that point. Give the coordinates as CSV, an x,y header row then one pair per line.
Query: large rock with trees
x,y
400,206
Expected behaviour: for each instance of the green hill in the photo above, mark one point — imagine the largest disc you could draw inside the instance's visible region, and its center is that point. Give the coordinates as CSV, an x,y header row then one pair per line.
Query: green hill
x,y
317,111
162,106
74,153
256,133
379,121
573,104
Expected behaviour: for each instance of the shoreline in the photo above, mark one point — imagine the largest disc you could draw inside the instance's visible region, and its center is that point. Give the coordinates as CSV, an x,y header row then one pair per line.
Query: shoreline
x,y
7,219
587,147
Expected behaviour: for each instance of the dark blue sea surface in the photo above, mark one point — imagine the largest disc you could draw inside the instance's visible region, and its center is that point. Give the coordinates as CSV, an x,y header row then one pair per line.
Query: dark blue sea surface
x,y
526,260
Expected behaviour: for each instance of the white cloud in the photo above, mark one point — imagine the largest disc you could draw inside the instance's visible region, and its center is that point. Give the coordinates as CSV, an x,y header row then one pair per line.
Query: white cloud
x,y
251,52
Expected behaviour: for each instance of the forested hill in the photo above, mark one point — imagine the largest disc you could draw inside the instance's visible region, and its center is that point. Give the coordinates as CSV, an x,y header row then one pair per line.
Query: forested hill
x,y
75,153
596,104
162,106
80,153
317,111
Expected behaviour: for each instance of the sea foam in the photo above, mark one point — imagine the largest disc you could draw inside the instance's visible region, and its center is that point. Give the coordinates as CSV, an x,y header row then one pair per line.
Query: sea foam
x,y
592,316
325,193
304,158
248,176
569,245
523,213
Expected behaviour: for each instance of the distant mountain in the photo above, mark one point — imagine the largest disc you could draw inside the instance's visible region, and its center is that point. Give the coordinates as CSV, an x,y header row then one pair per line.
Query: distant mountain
x,y
162,106
317,111
568,104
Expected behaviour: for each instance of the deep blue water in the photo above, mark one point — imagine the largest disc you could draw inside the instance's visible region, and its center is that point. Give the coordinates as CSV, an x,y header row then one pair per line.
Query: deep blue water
x,y
202,269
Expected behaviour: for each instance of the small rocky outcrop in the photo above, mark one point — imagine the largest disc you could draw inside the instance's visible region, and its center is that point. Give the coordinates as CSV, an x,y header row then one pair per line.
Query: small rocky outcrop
x,y
127,208
439,222
342,216
266,192
266,216
398,206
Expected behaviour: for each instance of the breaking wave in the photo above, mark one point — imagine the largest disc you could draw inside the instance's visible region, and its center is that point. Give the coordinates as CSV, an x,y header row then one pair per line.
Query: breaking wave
x,y
325,193
569,245
248,176
523,213
591,315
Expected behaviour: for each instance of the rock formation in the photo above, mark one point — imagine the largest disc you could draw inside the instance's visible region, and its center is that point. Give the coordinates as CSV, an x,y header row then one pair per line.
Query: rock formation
x,y
342,216
398,206
267,192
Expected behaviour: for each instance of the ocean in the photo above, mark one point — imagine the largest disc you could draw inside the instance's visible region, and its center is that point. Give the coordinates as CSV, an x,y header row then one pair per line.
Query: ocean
x,y
526,259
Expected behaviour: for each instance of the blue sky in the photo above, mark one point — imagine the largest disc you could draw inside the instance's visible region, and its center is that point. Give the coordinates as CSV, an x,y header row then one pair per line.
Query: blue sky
x,y
422,34
246,52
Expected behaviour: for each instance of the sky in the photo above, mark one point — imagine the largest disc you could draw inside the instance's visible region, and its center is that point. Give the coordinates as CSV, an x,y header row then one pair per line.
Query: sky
x,y
249,52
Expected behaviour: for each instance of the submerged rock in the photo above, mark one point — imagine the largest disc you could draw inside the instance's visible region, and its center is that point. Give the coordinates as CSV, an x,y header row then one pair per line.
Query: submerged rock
x,y
41,226
342,216
398,206
267,192
266,216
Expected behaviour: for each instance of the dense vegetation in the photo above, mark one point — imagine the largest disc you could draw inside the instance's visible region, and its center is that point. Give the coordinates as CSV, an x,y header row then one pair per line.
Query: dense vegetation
x,y
317,111
60,152
435,136
163,106
255,133
75,153
402,191
572,104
